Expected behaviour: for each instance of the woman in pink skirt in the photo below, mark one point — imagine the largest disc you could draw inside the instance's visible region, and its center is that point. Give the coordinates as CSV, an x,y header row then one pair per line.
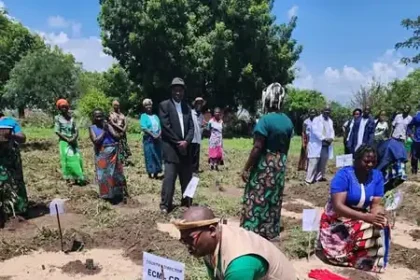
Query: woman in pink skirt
x,y
215,125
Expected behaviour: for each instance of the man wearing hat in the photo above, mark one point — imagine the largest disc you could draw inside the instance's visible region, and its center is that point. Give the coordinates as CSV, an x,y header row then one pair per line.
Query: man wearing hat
x,y
177,135
198,119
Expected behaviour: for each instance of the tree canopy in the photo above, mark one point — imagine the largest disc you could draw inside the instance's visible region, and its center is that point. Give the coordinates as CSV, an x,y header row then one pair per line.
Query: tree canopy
x,y
40,78
225,50
15,42
413,42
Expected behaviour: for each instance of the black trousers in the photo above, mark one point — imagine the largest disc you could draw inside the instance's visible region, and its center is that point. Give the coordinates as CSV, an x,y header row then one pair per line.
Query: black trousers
x,y
195,152
172,171
415,156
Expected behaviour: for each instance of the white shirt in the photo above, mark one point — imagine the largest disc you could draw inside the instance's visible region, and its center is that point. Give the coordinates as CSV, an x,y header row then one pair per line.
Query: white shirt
x,y
307,123
180,116
198,122
400,126
361,132
381,131
320,130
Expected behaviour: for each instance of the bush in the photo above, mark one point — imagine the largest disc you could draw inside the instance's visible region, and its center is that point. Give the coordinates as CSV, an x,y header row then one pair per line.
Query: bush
x,y
37,118
92,100
133,125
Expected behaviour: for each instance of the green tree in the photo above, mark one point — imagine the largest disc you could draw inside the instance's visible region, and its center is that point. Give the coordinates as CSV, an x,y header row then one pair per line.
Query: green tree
x,y
225,50
119,86
91,80
412,42
15,42
373,95
404,92
339,114
298,102
42,77
94,99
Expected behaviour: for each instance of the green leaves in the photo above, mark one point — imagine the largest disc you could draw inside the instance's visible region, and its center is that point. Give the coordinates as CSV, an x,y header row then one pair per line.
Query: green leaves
x,y
41,77
226,50
15,42
412,42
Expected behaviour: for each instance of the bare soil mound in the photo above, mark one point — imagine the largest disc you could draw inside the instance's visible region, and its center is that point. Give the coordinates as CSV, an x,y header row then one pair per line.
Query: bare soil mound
x,y
77,267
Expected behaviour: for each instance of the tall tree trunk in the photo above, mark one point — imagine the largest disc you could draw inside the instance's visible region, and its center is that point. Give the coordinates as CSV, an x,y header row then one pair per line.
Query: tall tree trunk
x,y
21,112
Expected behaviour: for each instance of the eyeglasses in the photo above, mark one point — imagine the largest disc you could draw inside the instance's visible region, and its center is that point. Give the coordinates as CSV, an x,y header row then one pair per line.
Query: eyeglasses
x,y
190,239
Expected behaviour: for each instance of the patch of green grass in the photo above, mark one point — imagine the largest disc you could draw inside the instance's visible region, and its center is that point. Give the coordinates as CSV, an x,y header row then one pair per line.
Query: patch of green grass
x,y
230,145
295,246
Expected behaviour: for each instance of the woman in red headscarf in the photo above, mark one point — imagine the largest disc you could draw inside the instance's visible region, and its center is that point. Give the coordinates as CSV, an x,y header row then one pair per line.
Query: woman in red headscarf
x,y
67,132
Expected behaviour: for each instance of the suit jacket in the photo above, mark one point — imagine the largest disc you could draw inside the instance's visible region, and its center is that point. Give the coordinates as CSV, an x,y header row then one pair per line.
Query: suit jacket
x,y
172,133
368,136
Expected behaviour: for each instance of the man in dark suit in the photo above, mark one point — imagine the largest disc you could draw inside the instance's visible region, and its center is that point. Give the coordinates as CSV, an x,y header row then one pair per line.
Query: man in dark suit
x,y
177,134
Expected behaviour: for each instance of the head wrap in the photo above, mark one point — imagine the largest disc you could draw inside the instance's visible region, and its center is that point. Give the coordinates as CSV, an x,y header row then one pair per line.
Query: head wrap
x,y
115,102
61,102
271,93
147,101
184,225
199,99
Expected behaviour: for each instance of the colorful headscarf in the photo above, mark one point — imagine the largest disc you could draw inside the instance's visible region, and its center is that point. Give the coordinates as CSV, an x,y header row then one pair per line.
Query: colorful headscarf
x,y
271,93
61,102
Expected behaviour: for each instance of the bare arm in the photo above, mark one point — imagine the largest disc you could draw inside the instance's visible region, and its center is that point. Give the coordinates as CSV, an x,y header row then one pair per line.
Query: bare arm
x,y
125,125
19,137
375,217
259,143
338,202
376,206
114,133
62,137
116,126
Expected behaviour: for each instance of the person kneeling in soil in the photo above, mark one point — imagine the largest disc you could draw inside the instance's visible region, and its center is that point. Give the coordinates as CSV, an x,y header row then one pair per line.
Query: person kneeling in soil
x,y
354,231
238,253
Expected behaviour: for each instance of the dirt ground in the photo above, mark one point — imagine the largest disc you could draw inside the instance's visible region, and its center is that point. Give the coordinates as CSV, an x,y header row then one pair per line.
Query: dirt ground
x,y
116,236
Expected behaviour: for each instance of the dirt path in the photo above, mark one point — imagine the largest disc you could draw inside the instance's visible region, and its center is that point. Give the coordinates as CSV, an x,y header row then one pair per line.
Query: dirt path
x,y
59,266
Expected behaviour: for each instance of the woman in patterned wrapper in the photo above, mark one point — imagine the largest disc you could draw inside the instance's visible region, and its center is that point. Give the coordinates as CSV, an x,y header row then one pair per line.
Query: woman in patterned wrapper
x,y
264,172
354,230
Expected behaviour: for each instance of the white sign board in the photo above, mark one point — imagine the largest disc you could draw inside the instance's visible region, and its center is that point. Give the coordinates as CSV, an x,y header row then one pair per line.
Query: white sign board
x,y
60,206
191,188
310,220
393,202
155,267
344,160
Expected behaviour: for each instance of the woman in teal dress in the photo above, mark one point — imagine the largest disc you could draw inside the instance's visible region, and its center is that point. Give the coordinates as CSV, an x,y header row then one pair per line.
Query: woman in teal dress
x,y
150,125
264,172
11,162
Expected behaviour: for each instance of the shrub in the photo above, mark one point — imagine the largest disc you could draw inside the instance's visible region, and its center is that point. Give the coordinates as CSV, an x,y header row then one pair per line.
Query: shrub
x,y
133,125
92,100
37,118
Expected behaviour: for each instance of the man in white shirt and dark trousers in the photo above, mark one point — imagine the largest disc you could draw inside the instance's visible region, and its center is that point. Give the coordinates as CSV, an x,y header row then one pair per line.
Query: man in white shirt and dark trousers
x,y
400,124
177,135
320,150
198,120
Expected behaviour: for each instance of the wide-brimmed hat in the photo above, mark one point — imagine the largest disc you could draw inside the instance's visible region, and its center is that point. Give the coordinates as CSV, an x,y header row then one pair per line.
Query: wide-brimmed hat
x,y
178,82
198,99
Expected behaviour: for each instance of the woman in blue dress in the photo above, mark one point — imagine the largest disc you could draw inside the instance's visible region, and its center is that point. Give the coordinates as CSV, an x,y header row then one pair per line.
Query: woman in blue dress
x,y
354,231
150,125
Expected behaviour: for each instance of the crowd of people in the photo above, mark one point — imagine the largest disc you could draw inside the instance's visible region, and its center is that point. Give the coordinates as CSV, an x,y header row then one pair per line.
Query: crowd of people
x,y
354,229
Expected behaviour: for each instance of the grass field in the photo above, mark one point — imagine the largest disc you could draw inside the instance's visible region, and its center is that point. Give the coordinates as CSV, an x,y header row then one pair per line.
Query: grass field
x,y
133,227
